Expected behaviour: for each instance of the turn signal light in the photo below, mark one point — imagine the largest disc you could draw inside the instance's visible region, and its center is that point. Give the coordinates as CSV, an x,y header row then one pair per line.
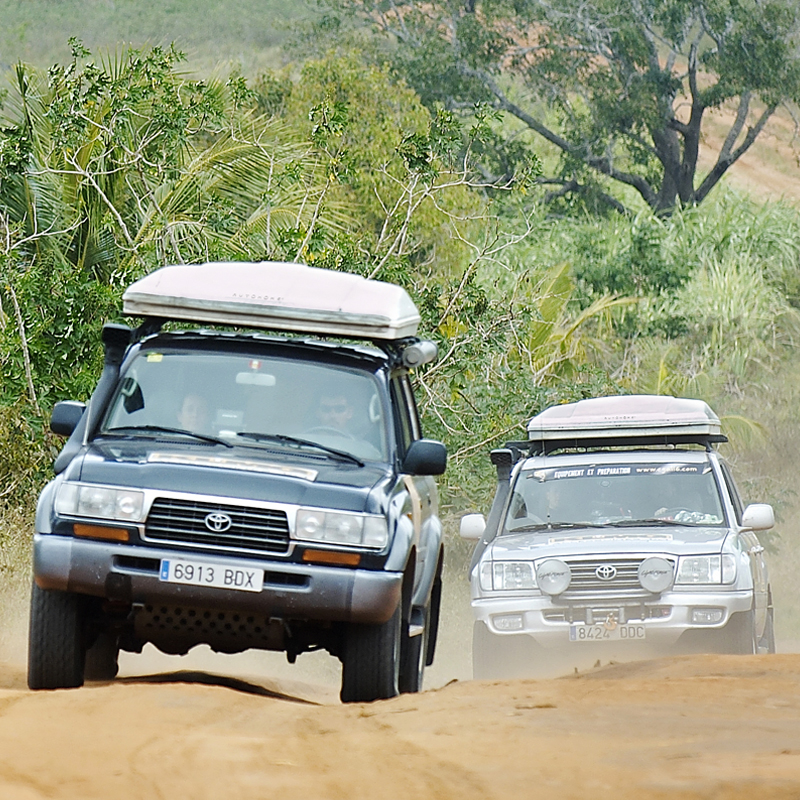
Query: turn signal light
x,y
100,532
332,557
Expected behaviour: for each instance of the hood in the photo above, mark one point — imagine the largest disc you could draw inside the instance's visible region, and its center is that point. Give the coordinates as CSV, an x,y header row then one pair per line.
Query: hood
x,y
672,539
255,473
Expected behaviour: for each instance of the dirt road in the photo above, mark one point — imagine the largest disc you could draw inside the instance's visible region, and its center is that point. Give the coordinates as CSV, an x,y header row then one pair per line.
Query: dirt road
x,y
684,727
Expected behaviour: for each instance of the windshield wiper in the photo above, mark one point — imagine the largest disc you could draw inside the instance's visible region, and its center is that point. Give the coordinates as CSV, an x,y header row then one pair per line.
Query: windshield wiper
x,y
546,526
293,440
131,430
646,523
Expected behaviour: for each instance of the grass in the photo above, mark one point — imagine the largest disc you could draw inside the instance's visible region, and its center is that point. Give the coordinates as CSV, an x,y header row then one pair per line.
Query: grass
x,y
212,32
16,538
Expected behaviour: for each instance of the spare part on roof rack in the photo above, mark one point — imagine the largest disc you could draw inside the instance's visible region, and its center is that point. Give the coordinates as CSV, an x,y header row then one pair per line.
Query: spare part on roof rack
x,y
276,296
623,420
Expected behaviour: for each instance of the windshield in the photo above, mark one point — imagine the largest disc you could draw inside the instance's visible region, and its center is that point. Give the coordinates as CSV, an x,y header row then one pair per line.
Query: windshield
x,y
615,494
252,401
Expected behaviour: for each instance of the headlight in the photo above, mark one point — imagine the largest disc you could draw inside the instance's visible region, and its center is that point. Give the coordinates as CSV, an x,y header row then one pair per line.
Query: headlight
x,y
500,576
100,502
336,527
707,569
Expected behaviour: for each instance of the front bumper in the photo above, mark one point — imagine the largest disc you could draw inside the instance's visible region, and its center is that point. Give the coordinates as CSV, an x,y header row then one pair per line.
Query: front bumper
x,y
130,573
665,618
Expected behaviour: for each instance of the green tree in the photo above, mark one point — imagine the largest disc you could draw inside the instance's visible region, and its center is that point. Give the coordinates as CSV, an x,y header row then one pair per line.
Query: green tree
x,y
111,167
621,88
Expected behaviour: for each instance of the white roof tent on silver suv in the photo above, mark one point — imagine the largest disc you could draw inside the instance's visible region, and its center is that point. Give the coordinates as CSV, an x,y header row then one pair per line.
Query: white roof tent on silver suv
x,y
623,421
281,296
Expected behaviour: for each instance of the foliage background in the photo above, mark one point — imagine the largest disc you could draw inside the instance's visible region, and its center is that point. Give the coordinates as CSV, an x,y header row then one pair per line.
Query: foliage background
x,y
336,162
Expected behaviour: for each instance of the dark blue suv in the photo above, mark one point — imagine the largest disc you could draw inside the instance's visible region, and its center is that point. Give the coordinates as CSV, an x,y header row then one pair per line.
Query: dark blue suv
x,y
241,489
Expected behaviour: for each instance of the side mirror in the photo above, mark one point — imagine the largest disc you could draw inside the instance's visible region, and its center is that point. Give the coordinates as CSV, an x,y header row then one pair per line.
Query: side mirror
x,y
472,526
425,457
758,517
66,416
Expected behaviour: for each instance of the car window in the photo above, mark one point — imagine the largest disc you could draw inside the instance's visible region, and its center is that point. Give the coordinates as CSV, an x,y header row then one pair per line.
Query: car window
x,y
227,395
602,494
408,420
732,493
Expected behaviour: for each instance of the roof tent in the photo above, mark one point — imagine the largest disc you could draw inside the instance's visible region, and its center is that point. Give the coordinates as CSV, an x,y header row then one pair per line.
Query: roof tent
x,y
625,420
276,296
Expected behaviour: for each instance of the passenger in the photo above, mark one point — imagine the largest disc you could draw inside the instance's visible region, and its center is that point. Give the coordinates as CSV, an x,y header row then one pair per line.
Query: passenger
x,y
193,413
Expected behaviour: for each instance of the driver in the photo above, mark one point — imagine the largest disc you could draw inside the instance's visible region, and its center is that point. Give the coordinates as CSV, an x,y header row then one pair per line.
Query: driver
x,y
335,411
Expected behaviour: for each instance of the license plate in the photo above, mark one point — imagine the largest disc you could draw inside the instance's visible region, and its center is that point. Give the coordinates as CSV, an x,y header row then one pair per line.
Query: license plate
x,y
600,633
204,573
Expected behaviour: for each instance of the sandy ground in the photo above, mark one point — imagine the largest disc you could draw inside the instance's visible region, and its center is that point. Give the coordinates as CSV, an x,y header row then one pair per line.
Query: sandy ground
x,y
683,727
251,726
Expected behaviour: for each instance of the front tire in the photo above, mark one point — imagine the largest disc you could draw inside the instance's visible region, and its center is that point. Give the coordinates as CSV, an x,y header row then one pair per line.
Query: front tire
x,y
739,635
371,661
102,658
56,652
413,652
503,657
767,641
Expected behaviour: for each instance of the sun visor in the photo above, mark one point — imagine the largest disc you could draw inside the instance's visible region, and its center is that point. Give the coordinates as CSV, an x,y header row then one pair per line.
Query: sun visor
x,y
275,296
624,416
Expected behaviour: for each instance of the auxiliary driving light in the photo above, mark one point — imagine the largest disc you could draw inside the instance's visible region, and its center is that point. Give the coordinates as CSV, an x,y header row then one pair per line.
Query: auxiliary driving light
x,y
553,576
655,574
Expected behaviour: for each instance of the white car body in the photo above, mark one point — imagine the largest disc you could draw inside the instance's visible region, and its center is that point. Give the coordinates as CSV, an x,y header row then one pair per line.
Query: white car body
x,y
586,550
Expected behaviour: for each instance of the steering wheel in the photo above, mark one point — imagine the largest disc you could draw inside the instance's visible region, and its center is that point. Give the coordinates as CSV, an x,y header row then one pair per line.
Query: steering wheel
x,y
670,513
330,430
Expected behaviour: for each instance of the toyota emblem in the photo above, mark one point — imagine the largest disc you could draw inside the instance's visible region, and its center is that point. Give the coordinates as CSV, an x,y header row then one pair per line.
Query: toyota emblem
x,y
218,522
606,572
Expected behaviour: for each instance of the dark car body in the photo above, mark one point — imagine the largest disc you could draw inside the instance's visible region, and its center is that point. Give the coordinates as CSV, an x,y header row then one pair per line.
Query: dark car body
x,y
253,527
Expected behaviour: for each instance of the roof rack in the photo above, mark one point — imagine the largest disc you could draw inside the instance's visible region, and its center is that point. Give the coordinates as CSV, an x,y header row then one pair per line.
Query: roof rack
x,y
551,446
622,421
275,296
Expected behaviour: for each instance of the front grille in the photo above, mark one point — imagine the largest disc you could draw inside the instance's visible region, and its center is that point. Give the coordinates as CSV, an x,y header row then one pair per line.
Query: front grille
x,y
259,530
586,580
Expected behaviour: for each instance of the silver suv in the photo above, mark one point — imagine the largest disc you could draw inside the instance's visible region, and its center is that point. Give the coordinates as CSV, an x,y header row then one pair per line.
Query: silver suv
x,y
617,529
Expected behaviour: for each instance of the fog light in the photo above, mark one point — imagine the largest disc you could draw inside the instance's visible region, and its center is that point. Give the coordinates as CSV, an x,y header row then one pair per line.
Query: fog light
x,y
508,622
707,616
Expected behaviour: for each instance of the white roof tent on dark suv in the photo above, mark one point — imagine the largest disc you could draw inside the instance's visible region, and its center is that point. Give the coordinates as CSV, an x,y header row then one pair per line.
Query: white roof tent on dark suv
x,y
623,420
280,296
277,296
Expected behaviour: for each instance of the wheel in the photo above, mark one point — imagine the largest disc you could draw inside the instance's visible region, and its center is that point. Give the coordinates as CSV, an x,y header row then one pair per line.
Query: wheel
x,y
767,642
101,658
739,635
371,661
413,651
435,614
55,640
510,656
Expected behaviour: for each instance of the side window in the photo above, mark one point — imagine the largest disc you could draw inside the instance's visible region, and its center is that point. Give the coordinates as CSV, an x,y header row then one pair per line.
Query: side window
x,y
408,428
732,492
